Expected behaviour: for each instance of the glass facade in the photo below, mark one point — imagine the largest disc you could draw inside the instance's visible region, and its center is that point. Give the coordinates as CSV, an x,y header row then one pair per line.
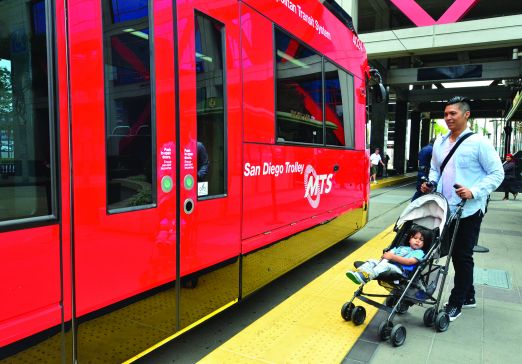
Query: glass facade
x,y
211,102
339,106
27,178
314,97
299,92
128,99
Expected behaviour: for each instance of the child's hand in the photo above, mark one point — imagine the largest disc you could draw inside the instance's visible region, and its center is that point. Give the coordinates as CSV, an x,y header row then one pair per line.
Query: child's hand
x,y
388,255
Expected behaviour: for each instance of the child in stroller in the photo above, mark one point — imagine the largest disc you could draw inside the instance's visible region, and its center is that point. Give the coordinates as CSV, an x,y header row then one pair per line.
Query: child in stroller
x,y
401,259
421,283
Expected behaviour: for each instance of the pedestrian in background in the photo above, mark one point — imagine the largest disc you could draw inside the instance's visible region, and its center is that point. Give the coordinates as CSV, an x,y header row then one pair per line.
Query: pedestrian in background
x,y
386,160
510,176
375,159
424,167
472,172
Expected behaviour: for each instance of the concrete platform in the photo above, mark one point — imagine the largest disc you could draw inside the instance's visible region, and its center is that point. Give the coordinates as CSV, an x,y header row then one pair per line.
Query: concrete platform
x,y
485,334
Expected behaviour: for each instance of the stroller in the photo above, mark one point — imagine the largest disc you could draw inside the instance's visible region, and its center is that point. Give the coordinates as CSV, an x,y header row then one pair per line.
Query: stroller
x,y
424,284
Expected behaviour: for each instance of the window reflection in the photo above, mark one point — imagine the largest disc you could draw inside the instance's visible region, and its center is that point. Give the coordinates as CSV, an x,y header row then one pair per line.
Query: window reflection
x,y
124,10
130,169
26,179
209,38
339,101
299,92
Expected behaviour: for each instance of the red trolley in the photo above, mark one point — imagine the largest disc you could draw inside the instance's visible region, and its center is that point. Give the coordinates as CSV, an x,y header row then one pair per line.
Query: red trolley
x,y
163,159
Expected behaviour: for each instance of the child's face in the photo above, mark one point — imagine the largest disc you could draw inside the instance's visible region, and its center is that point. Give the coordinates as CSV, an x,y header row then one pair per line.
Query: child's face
x,y
417,241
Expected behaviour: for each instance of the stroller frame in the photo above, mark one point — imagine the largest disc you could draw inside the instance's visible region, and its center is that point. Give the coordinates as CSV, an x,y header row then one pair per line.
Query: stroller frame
x,y
398,301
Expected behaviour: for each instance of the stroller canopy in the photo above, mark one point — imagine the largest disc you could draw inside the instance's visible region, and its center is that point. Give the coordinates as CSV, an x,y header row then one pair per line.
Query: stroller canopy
x,y
430,211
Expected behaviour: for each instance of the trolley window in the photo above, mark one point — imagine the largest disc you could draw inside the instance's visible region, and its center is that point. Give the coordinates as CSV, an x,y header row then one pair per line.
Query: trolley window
x,y
27,165
339,106
211,105
299,101
128,98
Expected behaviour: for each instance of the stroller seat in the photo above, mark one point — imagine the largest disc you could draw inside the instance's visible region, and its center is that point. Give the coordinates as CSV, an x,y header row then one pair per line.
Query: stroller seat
x,y
402,240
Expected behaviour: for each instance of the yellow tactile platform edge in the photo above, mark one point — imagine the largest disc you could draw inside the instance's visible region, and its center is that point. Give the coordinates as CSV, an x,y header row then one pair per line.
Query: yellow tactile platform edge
x,y
307,327
390,181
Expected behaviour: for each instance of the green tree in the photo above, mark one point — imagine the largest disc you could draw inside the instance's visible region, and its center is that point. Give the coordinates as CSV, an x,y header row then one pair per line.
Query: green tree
x,y
439,130
6,91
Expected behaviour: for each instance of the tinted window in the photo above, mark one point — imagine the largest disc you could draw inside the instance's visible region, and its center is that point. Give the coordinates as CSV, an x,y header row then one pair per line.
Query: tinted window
x,y
130,168
210,98
26,177
124,10
299,92
338,110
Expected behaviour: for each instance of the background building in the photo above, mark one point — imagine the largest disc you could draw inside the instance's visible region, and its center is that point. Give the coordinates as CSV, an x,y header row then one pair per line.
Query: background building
x,y
430,50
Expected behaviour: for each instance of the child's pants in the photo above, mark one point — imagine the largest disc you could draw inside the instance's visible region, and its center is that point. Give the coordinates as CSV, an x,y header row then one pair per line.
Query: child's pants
x,y
375,267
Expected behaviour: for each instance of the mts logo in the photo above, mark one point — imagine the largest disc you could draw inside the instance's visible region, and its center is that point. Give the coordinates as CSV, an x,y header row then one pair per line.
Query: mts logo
x,y
315,185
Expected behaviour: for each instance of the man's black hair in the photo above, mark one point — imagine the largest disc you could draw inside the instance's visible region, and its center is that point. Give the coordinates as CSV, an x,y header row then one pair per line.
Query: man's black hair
x,y
461,100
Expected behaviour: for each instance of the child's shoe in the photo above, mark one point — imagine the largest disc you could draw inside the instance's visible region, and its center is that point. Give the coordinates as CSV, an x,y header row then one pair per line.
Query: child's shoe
x,y
358,277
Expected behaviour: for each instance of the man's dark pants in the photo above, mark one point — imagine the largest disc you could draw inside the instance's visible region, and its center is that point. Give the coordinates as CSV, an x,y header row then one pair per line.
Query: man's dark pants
x,y
462,258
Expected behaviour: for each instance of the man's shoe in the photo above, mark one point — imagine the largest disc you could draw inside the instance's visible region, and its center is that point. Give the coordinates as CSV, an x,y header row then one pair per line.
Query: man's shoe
x,y
480,249
469,303
358,277
453,312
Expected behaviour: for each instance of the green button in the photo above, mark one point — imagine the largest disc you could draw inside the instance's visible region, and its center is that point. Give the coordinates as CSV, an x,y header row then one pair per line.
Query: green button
x,y
188,181
166,184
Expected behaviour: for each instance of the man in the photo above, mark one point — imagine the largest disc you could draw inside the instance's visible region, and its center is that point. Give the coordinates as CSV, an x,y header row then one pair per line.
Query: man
x,y
375,159
476,168
202,162
424,167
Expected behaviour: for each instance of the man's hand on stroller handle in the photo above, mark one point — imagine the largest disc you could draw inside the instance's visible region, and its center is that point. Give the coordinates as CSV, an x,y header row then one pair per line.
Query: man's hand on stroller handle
x,y
463,192
428,186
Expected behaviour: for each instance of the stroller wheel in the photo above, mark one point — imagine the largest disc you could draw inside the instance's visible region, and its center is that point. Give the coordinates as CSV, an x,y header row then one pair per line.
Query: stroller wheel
x,y
398,335
358,315
402,308
391,301
429,317
346,311
385,330
442,321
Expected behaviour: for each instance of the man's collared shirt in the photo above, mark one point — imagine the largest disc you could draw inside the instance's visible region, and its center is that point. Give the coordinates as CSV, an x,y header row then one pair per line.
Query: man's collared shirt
x,y
475,165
